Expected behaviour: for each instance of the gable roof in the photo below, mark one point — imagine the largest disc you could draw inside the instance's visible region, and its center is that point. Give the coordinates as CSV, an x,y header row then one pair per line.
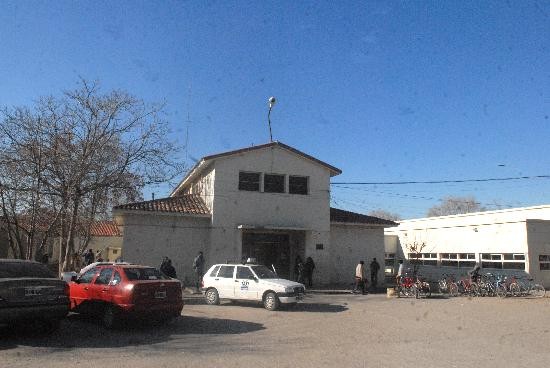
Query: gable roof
x,y
105,228
205,160
347,217
189,204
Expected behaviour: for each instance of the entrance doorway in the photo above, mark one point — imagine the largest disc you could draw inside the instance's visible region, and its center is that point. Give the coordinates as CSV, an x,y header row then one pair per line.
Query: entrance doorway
x,y
269,249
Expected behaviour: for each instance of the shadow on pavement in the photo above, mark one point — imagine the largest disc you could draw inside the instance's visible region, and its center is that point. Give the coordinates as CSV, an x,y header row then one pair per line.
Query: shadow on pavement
x,y
80,332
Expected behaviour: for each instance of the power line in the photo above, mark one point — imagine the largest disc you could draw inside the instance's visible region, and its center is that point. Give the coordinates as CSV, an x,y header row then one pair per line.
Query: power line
x,y
443,181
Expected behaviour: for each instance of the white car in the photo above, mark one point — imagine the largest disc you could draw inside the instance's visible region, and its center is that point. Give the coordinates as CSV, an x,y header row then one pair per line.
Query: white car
x,y
250,282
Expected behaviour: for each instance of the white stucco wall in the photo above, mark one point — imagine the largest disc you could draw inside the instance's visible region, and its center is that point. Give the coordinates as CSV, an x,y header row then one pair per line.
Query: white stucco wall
x,y
148,237
203,185
351,244
538,235
505,231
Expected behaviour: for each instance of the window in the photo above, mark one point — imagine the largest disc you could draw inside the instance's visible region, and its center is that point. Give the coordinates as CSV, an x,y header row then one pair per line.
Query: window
x,y
297,184
104,276
144,273
389,263
226,272
544,262
427,259
116,279
244,273
214,271
464,260
274,183
115,251
88,276
510,261
319,246
249,181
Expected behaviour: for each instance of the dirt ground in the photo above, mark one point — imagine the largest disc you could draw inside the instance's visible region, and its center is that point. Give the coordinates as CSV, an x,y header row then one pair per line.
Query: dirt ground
x,y
324,331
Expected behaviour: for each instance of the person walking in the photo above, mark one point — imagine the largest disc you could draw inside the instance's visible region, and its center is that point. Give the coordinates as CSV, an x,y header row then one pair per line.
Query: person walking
x,y
374,268
198,267
360,278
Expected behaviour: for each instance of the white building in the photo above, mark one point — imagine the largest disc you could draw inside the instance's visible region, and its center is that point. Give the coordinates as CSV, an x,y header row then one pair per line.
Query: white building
x,y
270,202
513,239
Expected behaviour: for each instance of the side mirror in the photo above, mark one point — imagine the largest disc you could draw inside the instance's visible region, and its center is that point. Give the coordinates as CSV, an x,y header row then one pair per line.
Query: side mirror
x,y
252,277
74,278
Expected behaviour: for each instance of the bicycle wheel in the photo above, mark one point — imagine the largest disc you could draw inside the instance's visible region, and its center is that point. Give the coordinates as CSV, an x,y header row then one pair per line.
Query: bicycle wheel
x,y
443,287
453,289
473,291
515,289
501,291
537,291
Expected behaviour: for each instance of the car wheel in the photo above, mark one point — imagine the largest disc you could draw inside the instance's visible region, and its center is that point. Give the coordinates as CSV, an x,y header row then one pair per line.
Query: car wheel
x,y
110,317
271,302
212,297
47,326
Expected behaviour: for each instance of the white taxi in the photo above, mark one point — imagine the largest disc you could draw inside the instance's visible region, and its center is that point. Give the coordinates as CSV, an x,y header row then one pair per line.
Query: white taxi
x,y
250,282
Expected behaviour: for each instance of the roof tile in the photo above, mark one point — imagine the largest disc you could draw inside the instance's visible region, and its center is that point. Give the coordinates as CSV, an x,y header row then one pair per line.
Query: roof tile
x,y
191,204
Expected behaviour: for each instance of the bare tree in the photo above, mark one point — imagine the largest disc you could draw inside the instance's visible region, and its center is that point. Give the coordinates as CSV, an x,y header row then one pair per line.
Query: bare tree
x,y
386,215
73,158
415,254
455,206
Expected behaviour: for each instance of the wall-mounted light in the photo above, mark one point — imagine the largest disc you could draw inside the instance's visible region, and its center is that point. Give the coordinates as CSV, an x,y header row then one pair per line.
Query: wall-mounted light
x,y
475,229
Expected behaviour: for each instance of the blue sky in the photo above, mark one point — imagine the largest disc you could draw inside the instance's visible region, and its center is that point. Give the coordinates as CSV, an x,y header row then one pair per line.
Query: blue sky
x,y
385,91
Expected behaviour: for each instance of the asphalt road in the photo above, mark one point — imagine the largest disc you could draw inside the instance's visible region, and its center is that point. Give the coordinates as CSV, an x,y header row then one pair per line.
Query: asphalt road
x,y
324,331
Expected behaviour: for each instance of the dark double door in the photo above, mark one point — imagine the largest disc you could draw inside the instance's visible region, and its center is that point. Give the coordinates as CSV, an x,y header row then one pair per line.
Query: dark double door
x,y
270,249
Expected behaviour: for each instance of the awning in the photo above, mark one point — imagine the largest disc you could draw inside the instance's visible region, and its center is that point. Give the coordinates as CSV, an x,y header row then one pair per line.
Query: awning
x,y
270,227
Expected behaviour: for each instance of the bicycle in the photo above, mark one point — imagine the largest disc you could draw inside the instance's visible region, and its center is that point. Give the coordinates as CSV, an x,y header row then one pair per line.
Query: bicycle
x,y
406,286
527,287
447,285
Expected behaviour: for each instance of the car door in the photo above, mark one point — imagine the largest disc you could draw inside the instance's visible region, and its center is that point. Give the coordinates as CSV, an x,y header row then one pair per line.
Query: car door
x,y
99,289
80,289
224,282
245,285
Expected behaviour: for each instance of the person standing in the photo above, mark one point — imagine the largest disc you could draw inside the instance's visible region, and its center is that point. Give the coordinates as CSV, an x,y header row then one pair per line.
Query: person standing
x,y
374,268
360,278
309,266
89,257
198,267
169,270
297,263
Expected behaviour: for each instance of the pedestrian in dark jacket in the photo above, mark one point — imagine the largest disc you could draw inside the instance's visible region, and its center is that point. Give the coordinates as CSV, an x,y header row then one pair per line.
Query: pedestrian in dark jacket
x,y
297,263
309,266
169,270
198,267
89,257
374,268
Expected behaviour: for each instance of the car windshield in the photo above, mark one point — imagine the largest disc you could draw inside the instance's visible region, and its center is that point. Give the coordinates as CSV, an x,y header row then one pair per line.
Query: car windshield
x,y
264,273
143,273
24,269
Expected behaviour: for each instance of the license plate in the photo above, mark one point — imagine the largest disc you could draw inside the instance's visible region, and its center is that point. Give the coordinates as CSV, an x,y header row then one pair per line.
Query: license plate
x,y
31,291
160,294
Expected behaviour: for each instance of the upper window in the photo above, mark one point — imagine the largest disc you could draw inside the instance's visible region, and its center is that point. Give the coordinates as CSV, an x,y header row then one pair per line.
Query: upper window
x,y
274,183
297,184
249,181
544,262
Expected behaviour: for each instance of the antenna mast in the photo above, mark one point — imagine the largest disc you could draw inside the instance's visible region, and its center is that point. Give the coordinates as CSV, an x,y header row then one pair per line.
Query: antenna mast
x,y
271,102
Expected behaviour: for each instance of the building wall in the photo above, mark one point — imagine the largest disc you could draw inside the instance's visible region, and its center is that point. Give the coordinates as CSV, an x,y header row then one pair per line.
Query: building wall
x,y
233,207
351,244
538,237
148,237
497,232
204,186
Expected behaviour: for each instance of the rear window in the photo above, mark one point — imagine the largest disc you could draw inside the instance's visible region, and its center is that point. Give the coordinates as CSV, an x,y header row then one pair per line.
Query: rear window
x,y
24,269
144,274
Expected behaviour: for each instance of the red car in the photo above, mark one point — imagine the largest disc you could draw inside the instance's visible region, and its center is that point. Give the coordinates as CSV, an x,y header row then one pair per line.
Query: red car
x,y
126,290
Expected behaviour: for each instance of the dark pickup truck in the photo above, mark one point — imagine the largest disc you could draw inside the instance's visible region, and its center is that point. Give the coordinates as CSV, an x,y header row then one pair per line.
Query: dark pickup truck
x,y
31,295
